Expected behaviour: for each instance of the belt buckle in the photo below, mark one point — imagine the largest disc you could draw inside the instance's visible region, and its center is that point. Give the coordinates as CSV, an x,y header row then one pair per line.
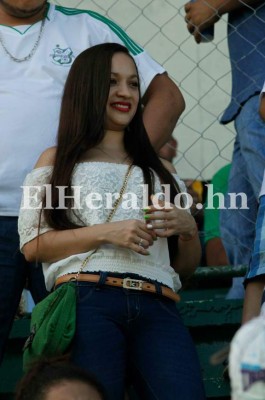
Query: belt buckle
x,y
135,284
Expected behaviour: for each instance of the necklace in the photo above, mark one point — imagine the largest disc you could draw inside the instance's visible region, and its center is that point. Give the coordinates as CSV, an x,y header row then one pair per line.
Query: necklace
x,y
113,158
33,50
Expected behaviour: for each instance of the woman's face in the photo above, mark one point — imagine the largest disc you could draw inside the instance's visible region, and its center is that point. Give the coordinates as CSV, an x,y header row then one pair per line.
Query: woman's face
x,y
123,94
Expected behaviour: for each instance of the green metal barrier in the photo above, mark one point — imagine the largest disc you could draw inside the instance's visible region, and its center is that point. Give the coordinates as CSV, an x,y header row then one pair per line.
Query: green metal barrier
x,y
11,369
211,319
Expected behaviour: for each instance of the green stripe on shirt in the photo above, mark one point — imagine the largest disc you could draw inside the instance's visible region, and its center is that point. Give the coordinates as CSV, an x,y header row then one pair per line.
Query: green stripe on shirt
x,y
133,47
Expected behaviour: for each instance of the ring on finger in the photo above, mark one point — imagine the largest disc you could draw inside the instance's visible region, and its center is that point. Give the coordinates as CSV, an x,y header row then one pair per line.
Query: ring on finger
x,y
140,242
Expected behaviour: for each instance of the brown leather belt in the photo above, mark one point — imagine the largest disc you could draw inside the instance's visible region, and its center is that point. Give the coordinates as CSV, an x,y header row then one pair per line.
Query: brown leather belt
x,y
126,283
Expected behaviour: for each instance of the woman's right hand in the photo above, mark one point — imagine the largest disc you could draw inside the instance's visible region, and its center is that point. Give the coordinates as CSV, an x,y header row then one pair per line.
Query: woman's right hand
x,y
131,234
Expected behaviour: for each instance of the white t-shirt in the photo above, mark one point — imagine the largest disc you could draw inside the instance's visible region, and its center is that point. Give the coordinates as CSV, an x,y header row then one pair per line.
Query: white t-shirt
x,y
30,91
100,178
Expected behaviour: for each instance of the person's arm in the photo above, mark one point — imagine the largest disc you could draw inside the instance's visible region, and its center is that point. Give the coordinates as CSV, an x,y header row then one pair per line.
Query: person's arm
x,y
262,106
201,14
163,105
255,278
215,252
56,245
188,256
252,300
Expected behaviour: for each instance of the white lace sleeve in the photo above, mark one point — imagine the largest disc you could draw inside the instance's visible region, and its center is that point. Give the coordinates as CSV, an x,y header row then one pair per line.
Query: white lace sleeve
x,y
30,225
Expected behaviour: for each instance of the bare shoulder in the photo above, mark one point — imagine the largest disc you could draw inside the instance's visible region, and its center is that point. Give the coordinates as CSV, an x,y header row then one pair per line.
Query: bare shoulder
x,y
47,158
168,165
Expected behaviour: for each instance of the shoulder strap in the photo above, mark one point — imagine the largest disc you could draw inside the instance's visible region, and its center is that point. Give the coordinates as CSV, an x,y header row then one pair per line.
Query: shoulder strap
x,y
118,200
110,216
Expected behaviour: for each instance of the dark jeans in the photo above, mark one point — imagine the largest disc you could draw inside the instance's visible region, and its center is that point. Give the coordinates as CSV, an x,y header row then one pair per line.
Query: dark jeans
x,y
127,336
14,272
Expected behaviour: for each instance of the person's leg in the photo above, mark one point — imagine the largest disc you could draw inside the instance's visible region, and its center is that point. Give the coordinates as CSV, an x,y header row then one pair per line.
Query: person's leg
x,y
14,271
237,225
164,363
12,277
251,129
99,344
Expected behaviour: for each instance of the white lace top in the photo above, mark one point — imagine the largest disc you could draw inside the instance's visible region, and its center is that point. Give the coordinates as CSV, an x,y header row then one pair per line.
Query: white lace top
x,y
100,178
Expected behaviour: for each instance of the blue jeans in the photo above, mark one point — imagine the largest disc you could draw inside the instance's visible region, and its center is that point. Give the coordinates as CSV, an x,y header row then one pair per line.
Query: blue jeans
x,y
15,271
238,225
126,336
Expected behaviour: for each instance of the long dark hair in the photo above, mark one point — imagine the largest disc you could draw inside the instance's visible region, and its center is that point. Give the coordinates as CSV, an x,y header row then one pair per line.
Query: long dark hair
x,y
81,127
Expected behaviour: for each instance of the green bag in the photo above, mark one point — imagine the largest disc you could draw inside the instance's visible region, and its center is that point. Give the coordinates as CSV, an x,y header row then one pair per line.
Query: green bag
x,y
53,323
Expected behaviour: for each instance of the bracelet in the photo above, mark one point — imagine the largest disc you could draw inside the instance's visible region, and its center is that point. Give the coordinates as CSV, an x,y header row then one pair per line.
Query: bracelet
x,y
185,238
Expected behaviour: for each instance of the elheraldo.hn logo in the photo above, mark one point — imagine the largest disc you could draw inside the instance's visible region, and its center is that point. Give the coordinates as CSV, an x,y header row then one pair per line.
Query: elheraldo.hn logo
x,y
61,56
33,195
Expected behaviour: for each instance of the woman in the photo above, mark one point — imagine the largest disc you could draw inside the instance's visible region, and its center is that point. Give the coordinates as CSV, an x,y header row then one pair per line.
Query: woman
x,y
120,331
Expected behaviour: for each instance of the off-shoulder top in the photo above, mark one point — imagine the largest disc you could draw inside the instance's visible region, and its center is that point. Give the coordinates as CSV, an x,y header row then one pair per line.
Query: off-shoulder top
x,y
92,181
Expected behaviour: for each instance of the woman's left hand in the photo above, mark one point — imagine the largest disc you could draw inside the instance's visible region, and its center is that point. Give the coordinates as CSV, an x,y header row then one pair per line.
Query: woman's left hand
x,y
168,220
